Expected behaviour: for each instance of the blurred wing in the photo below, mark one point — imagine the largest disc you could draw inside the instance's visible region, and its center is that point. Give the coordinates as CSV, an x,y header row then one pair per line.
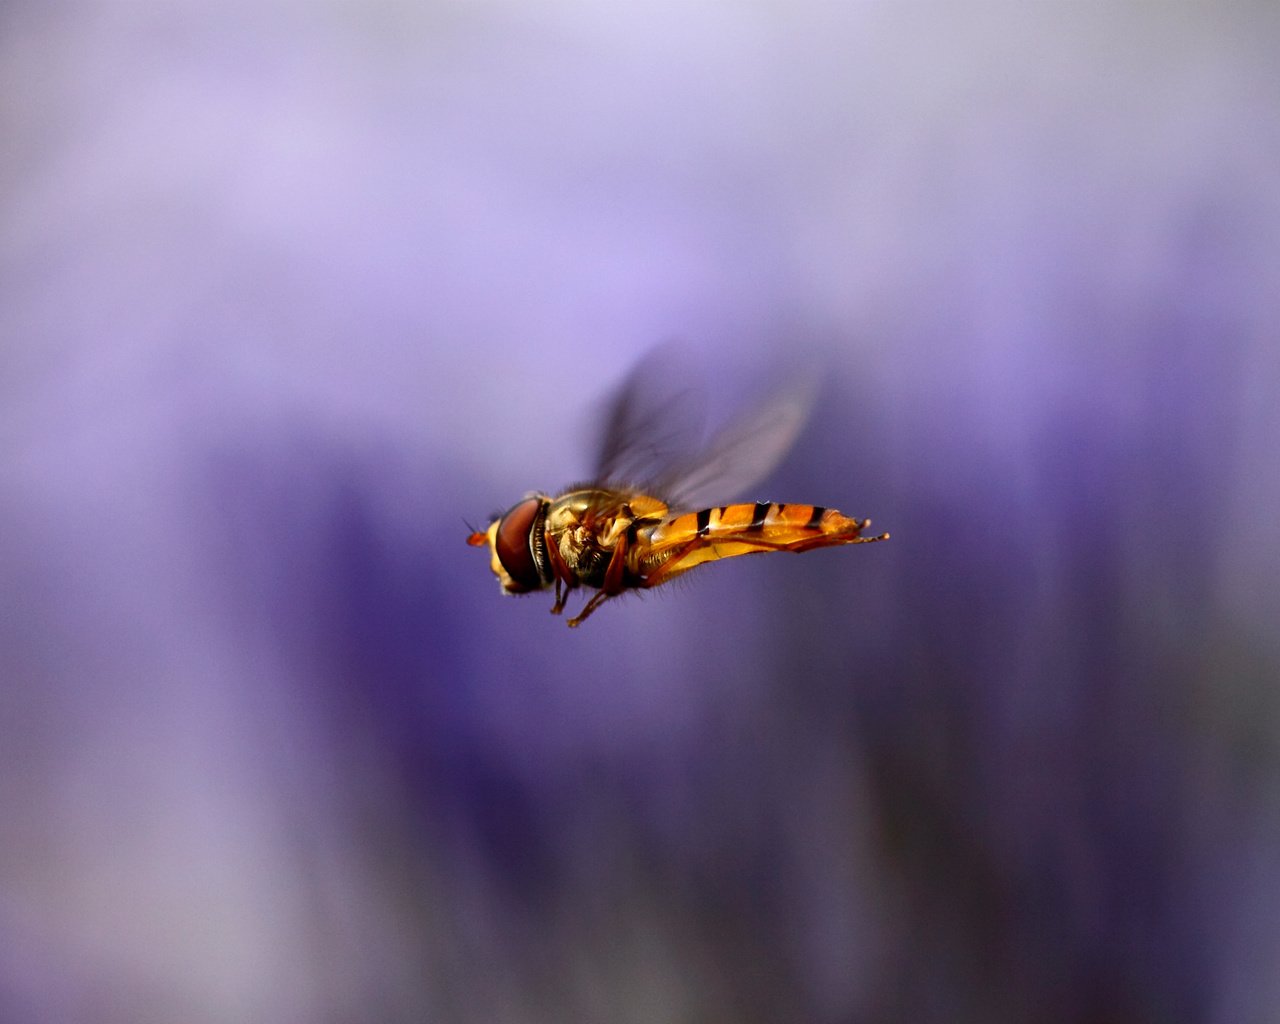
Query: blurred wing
x,y
741,454
653,420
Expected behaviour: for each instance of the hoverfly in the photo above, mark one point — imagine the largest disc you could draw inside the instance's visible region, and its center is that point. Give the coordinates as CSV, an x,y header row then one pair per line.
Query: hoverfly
x,y
647,517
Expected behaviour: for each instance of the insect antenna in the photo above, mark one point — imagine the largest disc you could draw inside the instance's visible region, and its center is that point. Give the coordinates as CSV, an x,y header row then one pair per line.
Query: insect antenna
x,y
474,537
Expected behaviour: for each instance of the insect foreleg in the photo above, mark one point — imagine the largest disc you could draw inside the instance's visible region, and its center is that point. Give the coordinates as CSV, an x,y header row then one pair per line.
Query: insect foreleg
x,y
564,578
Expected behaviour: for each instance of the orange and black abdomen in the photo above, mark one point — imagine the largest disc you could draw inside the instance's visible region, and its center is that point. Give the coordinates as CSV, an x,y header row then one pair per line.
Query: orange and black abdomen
x,y
688,540
773,521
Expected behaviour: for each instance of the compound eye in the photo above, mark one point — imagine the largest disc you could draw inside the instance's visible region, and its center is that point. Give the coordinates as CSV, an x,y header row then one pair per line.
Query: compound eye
x,y
514,547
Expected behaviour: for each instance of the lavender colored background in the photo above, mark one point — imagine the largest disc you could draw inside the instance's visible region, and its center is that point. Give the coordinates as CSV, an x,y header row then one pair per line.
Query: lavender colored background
x,y
288,290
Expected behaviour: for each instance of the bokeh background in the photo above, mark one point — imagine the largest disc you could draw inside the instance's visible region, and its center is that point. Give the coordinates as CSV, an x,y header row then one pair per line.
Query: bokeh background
x,y
288,291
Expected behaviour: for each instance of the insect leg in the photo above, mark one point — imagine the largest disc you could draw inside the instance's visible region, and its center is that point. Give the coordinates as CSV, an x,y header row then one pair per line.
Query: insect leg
x,y
820,541
597,599
611,587
743,542
658,574
617,564
565,580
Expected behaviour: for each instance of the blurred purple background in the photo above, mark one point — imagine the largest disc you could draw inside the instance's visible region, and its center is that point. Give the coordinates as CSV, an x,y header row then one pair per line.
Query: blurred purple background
x,y
287,291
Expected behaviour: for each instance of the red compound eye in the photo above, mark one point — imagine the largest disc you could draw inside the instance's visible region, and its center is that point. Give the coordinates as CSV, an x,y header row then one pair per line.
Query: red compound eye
x,y
514,546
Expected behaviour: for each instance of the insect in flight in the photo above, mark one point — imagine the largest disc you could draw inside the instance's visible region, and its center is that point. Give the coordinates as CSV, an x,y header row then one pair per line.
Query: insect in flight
x,y
647,517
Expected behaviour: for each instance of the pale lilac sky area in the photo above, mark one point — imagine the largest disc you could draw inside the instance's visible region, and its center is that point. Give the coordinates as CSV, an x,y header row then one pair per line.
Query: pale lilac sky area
x,y
289,291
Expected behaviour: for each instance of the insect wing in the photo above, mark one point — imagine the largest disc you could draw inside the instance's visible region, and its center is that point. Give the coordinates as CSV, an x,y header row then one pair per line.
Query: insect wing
x,y
742,453
653,420
652,437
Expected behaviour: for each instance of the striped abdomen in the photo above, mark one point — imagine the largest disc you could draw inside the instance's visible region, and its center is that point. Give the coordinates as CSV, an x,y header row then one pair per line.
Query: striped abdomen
x,y
677,545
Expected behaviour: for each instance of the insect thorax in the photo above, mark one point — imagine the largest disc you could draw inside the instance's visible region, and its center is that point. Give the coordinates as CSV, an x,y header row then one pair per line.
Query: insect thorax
x,y
585,526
